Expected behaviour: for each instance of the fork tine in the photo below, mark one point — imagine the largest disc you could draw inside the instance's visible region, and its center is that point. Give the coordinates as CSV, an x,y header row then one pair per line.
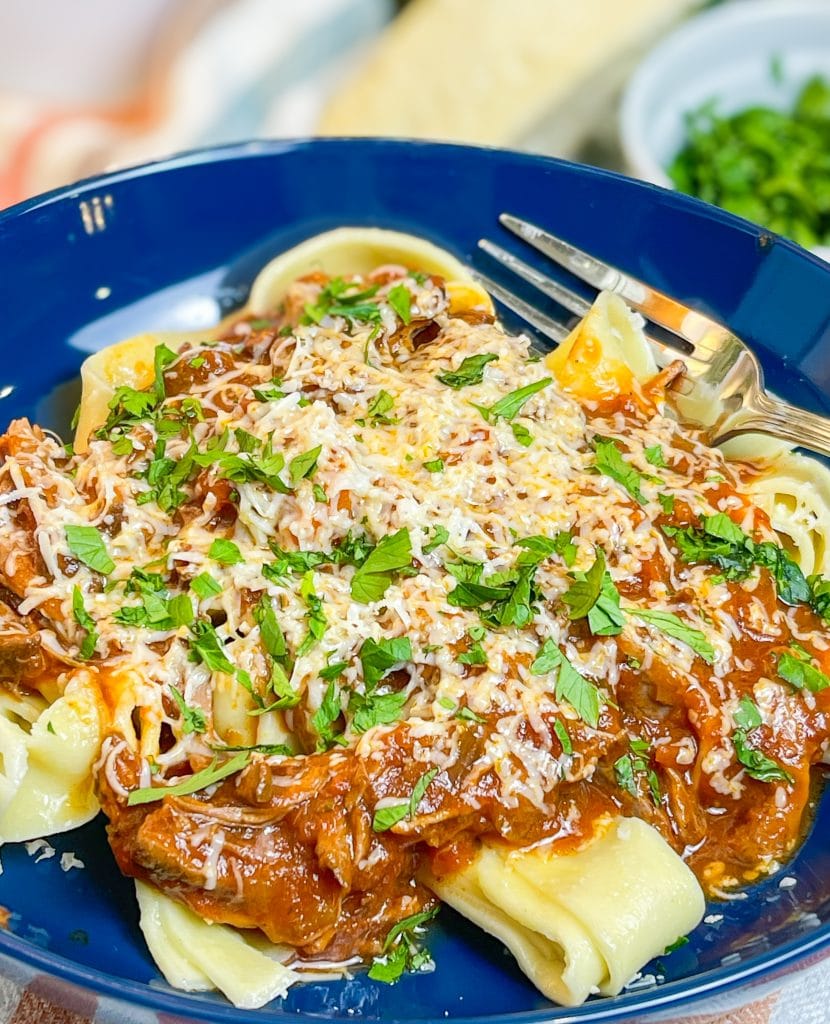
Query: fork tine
x,y
564,296
653,304
544,324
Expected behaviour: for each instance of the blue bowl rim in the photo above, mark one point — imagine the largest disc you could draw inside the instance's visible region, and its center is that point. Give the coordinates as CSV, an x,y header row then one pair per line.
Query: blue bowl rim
x,y
759,969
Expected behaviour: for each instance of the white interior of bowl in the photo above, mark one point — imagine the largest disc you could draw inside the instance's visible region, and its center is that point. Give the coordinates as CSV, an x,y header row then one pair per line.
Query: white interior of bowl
x,y
725,54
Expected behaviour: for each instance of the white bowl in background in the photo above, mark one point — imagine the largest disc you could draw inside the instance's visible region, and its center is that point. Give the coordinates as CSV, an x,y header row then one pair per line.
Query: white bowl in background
x,y
726,54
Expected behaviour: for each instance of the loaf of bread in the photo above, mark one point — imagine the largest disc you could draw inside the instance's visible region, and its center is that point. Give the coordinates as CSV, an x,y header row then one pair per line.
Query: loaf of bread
x,y
528,73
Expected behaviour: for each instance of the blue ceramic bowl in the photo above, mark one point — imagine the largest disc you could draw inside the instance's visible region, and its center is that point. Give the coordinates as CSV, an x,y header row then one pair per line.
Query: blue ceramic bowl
x,y
176,244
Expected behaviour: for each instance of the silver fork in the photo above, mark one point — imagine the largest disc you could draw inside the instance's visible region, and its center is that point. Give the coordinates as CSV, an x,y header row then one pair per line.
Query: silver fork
x,y
723,388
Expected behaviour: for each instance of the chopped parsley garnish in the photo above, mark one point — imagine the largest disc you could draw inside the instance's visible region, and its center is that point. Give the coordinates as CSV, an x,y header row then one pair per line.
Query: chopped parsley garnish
x,y
162,358
721,542
511,405
434,466
225,552
315,616
379,657
470,371
440,535
193,719
503,599
400,299
157,610
522,434
475,653
86,622
386,817
393,553
756,763
344,299
609,462
87,545
655,457
204,586
674,627
679,942
269,629
269,749
319,494
301,467
377,412
666,503
375,709
634,765
796,668
593,595
400,950
580,693
563,737
747,716
326,716
214,773
271,393
207,648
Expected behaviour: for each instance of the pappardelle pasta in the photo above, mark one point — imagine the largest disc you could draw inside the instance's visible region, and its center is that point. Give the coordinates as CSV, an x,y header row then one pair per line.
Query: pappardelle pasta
x,y
358,603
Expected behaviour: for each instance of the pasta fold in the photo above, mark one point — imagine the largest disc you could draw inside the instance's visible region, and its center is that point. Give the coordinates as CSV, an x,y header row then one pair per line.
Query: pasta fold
x,y
585,921
196,956
48,751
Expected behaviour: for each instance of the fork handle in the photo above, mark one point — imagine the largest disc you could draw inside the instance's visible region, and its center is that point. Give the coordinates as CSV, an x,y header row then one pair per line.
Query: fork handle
x,y
767,415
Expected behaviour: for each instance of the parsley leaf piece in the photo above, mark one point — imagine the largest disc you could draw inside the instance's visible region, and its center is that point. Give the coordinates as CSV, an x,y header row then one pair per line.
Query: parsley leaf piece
x,y
325,717
419,790
193,719
655,457
400,952
672,626
434,466
214,772
469,372
522,434
268,749
594,596
801,673
474,655
511,405
225,552
86,622
345,299
87,545
563,737
400,299
609,462
378,657
391,554
319,494
757,764
579,692
204,586
466,714
315,616
584,592
162,358
375,709
333,669
747,716
386,817
292,561
207,648
537,548
679,942
440,535
269,629
303,466
271,393
666,503
379,408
